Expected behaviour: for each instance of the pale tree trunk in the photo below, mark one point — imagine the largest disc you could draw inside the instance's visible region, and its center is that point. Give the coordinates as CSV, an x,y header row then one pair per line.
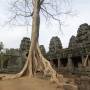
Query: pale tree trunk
x,y
35,58
34,37
29,66
36,61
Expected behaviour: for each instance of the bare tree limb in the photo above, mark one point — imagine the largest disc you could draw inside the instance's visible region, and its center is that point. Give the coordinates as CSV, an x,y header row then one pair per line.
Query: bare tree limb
x,y
41,2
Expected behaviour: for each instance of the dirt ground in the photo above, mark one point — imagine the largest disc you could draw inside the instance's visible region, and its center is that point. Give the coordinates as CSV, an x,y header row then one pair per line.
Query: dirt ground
x,y
27,84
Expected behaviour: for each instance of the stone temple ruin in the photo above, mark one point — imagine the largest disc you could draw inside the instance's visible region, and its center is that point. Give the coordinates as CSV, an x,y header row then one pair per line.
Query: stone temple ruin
x,y
75,59
13,60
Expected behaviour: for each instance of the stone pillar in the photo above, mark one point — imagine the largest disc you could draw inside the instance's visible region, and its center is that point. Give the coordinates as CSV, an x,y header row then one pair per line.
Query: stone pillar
x,y
83,60
89,63
59,64
84,83
1,62
69,64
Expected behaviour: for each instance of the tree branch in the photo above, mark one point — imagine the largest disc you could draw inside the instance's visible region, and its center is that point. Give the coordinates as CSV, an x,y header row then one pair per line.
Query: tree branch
x,y
41,2
52,16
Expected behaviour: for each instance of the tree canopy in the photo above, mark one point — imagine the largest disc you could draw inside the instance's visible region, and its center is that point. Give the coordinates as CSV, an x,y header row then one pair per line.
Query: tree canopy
x,y
22,10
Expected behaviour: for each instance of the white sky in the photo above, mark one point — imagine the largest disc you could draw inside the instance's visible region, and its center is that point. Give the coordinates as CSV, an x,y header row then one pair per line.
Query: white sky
x,y
11,36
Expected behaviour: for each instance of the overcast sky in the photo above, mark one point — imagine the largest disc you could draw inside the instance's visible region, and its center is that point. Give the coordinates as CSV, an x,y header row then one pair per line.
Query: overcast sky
x,y
11,36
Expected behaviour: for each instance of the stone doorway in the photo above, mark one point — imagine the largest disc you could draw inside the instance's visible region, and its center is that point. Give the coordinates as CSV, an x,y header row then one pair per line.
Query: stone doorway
x,y
76,61
64,62
55,63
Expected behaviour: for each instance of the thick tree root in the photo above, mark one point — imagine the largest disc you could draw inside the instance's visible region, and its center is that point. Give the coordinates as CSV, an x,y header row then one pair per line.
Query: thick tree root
x,y
47,69
39,63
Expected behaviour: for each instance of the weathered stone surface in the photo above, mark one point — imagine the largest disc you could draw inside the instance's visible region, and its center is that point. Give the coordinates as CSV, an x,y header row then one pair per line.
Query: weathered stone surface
x,y
84,83
43,51
55,44
25,44
79,46
83,34
70,87
72,42
12,51
1,46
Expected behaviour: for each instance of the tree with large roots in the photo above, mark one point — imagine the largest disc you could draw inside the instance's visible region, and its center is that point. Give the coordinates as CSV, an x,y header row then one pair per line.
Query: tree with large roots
x,y
35,61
